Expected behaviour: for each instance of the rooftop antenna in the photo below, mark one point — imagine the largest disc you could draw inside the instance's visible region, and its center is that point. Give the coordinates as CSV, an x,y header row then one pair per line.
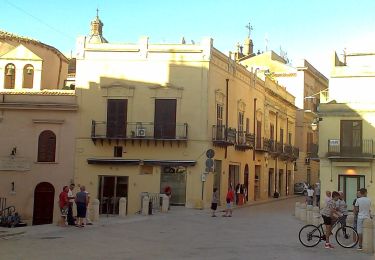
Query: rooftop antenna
x,y
249,28
266,41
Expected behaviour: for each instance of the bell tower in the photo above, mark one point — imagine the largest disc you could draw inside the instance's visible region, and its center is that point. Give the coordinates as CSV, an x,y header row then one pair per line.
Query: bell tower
x,y
96,34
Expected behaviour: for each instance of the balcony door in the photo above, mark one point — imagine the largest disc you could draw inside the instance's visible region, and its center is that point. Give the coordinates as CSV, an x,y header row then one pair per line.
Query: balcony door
x,y
351,137
165,118
117,117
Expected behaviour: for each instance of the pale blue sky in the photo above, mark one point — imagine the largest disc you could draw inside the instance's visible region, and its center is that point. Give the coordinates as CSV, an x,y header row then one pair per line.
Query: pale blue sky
x,y
304,29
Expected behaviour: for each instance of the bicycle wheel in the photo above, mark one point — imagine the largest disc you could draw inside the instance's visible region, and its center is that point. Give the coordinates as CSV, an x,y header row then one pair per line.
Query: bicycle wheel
x,y
346,237
310,235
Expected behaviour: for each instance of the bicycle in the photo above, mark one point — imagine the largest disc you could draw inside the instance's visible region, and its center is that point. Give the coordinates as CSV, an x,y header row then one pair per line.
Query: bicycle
x,y
311,235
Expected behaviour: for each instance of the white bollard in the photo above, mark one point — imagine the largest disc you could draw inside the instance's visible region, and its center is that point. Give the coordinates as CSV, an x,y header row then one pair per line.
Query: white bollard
x,y
296,207
367,242
94,210
309,214
145,201
122,207
302,214
165,203
316,218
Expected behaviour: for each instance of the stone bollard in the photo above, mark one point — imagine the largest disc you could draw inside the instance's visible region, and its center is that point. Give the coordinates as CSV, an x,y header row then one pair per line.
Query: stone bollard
x,y
302,213
296,208
145,202
165,203
122,207
367,242
94,210
309,214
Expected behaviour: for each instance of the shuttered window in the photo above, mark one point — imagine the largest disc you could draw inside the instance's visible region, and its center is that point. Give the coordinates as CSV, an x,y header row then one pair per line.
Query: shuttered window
x,y
46,146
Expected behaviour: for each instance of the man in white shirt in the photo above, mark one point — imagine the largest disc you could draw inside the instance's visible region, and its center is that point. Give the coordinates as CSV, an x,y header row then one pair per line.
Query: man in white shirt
x,y
70,218
362,206
310,195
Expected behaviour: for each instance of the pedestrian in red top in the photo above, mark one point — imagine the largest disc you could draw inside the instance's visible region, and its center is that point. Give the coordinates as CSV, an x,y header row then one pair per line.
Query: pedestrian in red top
x,y
229,200
64,205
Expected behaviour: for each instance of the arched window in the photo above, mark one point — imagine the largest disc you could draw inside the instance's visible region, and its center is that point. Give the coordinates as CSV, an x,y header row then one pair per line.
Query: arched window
x,y
9,76
46,146
28,76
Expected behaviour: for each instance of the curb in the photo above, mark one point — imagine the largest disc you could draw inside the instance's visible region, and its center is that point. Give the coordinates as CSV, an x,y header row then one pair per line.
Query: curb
x,y
5,235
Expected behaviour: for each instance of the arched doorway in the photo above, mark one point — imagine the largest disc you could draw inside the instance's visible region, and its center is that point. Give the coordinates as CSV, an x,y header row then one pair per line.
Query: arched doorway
x,y
246,181
44,196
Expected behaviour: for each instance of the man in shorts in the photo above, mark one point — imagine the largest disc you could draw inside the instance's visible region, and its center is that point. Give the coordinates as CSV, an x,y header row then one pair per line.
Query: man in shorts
x,y
362,206
229,201
328,216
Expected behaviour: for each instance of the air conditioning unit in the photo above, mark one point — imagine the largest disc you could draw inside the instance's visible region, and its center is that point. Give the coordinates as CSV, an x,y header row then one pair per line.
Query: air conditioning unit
x,y
307,160
141,132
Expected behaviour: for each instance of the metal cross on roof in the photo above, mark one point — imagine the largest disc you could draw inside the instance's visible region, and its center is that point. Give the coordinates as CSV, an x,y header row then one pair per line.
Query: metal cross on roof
x,y
250,28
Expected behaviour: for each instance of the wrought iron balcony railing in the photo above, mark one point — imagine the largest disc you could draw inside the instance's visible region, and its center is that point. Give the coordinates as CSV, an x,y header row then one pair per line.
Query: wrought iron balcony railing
x,y
223,136
139,130
361,149
245,140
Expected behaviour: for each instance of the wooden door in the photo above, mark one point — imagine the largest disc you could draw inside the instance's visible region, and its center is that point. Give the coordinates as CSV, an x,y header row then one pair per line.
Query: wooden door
x,y
44,196
165,118
246,181
117,117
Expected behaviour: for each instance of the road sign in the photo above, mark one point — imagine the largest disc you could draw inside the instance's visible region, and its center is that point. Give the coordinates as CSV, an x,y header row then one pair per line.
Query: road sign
x,y
210,153
209,163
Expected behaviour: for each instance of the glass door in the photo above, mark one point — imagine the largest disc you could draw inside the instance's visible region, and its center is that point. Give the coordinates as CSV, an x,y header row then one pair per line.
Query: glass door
x,y
349,185
111,189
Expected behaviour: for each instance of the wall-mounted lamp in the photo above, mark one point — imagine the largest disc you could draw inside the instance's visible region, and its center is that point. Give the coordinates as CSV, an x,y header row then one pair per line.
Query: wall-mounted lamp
x,y
13,189
315,123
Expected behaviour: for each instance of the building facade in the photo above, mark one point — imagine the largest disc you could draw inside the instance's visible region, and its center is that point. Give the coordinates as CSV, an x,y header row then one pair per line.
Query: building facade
x,y
150,112
37,121
305,83
347,126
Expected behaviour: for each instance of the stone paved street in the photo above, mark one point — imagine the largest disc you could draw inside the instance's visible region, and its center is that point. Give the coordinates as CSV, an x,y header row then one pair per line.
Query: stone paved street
x,y
266,231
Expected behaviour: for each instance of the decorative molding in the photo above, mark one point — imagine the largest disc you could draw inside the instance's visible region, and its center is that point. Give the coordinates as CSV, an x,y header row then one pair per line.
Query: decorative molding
x,y
48,121
241,105
219,96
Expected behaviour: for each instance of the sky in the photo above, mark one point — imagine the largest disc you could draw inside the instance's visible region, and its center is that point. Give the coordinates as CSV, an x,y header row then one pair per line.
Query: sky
x,y
308,29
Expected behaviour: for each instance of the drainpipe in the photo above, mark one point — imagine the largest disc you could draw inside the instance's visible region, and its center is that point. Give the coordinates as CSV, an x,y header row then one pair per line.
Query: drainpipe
x,y
276,171
286,163
59,75
226,114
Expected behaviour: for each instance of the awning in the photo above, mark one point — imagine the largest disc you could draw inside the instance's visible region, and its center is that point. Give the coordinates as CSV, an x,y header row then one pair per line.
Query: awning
x,y
113,161
170,162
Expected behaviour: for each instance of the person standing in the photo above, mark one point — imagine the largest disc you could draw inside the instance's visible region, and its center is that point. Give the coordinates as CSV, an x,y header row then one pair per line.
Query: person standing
x,y
81,202
328,217
355,211
229,201
168,192
362,205
328,197
214,201
70,217
317,194
310,195
63,204
342,208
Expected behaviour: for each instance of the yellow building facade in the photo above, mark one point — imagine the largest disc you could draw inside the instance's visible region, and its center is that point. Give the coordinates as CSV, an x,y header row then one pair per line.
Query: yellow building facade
x,y
149,114
304,82
347,126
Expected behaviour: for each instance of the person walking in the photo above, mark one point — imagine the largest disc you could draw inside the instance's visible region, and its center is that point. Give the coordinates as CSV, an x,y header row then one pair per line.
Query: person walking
x,y
328,213
310,196
63,204
229,201
70,218
214,201
81,202
362,205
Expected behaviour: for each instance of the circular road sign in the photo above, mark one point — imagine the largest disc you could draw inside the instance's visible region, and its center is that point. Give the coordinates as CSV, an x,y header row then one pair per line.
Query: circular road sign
x,y
210,153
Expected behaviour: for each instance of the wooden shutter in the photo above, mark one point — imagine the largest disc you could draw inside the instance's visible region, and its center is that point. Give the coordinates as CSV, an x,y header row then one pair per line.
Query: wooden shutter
x,y
117,117
165,118
46,146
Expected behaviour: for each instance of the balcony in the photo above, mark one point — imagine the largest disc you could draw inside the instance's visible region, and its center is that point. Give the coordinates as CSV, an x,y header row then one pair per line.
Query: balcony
x,y
362,151
245,141
276,148
100,130
262,144
312,151
223,136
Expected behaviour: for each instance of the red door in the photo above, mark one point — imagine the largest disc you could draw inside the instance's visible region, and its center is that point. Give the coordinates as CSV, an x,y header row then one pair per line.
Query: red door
x,y
44,196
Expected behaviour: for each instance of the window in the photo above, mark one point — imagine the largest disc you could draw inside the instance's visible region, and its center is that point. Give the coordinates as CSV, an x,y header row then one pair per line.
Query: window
x,y
117,117
117,151
247,125
259,134
219,114
272,131
351,136
28,76
240,121
310,141
46,146
9,76
165,118
281,136
290,138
